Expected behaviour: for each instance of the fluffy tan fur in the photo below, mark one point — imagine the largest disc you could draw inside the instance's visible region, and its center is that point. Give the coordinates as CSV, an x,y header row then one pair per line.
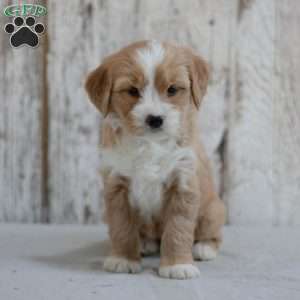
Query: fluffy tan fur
x,y
187,215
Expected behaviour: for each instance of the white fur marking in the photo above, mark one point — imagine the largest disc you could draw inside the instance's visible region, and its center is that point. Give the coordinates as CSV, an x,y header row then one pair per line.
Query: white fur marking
x,y
150,56
121,265
149,161
204,251
180,271
150,103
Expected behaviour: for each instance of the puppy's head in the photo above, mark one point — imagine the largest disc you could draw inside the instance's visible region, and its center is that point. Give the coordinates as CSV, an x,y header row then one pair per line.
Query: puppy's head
x,y
149,87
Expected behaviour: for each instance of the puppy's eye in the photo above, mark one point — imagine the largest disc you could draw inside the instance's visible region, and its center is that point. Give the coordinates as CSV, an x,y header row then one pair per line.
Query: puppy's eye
x,y
134,92
172,90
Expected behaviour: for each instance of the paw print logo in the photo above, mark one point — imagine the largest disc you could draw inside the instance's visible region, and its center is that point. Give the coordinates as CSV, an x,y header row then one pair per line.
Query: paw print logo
x,y
24,31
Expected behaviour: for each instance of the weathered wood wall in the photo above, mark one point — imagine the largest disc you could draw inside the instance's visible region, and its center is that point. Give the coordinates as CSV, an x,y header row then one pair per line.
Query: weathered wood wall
x,y
21,92
49,162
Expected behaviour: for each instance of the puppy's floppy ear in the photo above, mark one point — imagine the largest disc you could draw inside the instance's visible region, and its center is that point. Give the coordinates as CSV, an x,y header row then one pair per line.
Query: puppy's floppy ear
x,y
199,75
98,86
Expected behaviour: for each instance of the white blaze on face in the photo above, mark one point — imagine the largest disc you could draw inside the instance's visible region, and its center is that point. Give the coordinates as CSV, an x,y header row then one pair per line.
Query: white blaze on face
x,y
151,103
150,57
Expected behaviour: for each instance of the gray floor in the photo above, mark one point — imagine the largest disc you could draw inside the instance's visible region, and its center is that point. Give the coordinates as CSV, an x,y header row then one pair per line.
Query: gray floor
x,y
64,262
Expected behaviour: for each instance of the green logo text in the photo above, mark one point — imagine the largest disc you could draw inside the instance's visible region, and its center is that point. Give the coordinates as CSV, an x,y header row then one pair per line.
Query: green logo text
x,y
24,10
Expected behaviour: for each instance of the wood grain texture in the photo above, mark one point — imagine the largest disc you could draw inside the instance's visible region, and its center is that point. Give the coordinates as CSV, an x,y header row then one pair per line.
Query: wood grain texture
x,y
286,116
262,150
249,186
249,120
73,164
20,130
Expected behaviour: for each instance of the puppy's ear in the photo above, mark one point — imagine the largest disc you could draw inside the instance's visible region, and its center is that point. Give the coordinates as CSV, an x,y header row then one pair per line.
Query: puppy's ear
x,y
199,75
98,86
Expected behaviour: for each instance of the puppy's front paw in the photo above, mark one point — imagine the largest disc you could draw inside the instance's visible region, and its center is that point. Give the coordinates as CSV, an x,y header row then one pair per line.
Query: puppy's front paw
x,y
204,251
180,271
121,265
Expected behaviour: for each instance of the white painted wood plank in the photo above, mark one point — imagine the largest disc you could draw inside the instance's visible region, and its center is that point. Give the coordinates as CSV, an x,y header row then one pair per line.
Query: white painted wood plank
x,y
74,188
249,187
286,137
20,130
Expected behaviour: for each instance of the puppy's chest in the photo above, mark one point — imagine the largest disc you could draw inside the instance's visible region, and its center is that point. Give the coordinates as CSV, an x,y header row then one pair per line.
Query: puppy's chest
x,y
150,166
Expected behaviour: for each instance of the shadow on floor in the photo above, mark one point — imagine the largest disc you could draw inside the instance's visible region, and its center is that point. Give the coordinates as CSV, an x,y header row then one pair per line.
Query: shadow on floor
x,y
87,258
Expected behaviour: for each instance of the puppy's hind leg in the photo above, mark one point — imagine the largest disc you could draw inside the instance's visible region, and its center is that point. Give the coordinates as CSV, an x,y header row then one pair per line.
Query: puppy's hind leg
x,y
208,234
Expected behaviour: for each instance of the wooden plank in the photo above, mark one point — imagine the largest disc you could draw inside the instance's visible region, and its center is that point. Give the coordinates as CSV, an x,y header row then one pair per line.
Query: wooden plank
x,y
207,27
286,136
20,130
73,124
249,186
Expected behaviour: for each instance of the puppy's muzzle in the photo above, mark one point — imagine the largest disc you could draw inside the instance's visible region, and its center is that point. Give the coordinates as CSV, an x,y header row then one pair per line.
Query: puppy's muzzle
x,y
154,122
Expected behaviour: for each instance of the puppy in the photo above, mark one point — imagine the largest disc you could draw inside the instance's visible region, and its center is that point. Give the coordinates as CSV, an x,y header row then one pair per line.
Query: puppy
x,y
158,189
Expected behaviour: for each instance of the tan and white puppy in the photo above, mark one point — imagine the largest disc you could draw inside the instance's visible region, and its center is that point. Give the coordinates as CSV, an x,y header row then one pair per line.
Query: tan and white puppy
x,y
158,189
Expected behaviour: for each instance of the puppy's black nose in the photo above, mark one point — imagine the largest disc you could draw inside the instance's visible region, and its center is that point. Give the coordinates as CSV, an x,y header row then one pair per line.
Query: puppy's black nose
x,y
154,122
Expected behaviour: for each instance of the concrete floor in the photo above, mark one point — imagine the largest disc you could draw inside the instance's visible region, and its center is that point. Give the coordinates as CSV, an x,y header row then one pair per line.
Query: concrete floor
x,y
65,262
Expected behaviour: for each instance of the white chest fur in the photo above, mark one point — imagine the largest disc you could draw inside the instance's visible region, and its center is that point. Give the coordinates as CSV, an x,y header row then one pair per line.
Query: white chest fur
x,y
149,164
